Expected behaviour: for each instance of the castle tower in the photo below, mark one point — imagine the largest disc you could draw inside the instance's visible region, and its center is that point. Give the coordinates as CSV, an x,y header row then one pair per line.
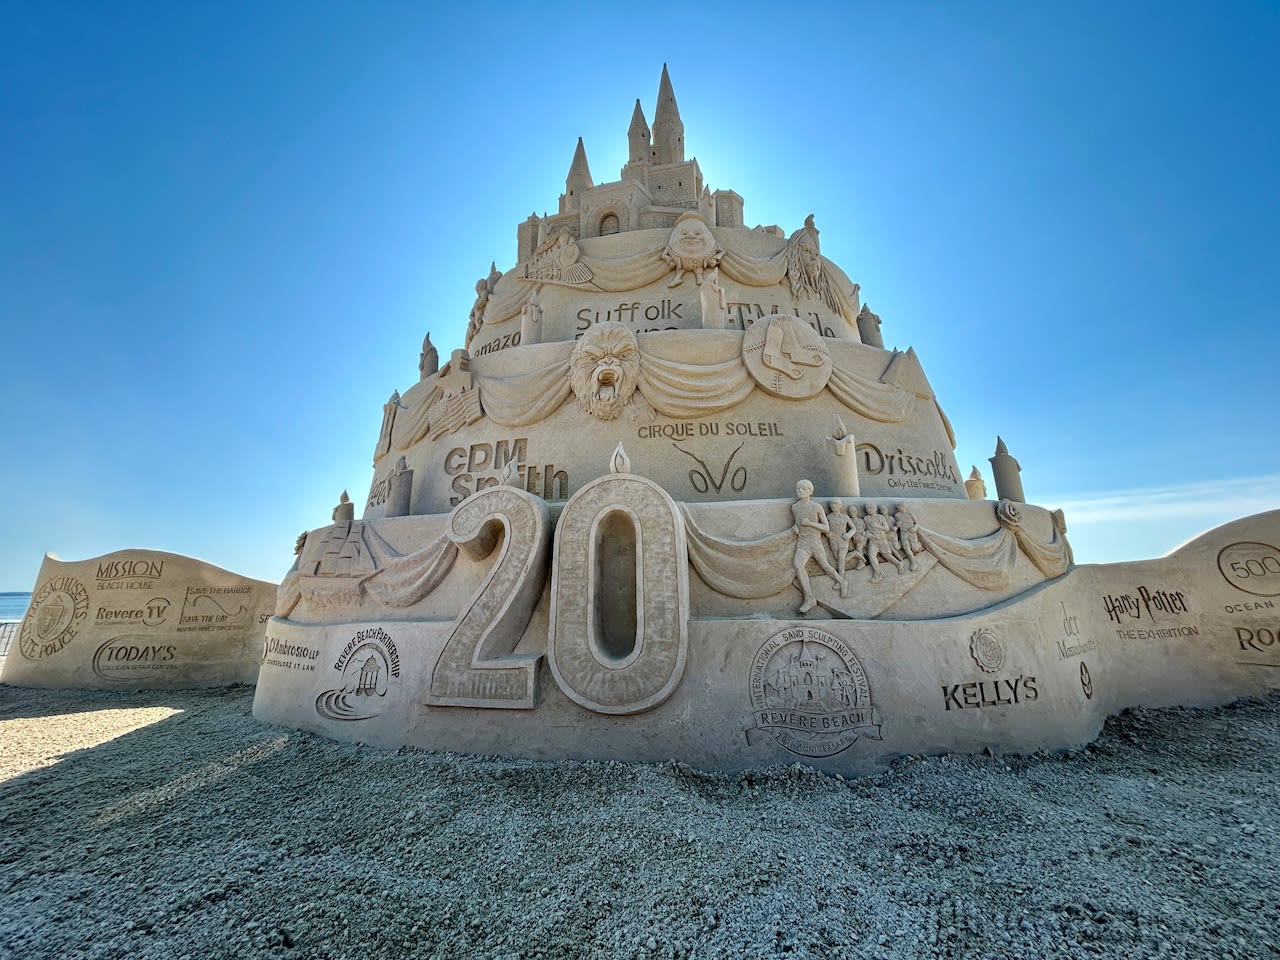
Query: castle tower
x,y
527,237
668,129
579,180
638,136
640,146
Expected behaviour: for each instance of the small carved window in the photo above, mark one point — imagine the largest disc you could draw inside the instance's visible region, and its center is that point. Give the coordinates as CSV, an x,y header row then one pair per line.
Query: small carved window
x,y
609,225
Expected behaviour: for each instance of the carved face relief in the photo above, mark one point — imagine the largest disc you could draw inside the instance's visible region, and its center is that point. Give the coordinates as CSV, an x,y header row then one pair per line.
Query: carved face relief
x,y
805,271
604,369
691,248
692,238
811,261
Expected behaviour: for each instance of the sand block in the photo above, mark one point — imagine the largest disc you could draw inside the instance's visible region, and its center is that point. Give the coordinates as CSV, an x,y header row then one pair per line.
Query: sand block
x,y
140,619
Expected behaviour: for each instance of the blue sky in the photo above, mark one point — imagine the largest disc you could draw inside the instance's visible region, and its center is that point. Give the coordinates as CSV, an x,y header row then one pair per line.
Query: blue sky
x,y
224,230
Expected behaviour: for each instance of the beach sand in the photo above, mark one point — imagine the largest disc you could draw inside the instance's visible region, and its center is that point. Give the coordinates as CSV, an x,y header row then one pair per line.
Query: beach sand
x,y
174,825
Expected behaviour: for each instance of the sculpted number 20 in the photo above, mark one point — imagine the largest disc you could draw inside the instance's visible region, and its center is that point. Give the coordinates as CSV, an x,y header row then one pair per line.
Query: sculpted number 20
x,y
618,634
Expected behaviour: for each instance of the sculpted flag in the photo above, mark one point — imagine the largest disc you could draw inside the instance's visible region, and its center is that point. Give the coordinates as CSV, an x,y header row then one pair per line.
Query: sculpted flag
x,y
520,400
746,569
693,390
868,398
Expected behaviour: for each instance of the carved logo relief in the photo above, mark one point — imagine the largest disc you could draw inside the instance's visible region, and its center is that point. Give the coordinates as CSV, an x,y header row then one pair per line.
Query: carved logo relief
x,y
1086,681
134,657
139,573
1251,567
57,611
786,357
704,479
810,694
367,664
219,606
151,614
987,650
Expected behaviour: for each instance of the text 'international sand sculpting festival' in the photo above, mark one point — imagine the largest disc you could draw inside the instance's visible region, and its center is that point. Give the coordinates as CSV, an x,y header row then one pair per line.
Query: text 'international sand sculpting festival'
x,y
674,498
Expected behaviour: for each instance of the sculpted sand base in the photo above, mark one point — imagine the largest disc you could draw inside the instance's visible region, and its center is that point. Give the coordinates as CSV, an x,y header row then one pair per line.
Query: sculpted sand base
x,y
573,671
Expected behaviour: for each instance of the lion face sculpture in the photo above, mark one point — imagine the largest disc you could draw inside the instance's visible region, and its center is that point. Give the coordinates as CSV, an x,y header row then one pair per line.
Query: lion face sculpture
x,y
604,369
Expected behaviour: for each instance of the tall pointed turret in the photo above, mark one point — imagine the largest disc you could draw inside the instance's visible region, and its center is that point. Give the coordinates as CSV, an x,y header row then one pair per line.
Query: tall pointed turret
x,y
638,137
579,179
668,129
578,182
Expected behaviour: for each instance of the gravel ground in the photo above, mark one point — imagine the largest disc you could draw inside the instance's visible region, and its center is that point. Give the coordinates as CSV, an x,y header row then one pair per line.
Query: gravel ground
x,y
174,825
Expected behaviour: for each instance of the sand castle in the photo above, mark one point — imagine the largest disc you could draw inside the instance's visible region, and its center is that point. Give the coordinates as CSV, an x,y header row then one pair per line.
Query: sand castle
x,y
674,498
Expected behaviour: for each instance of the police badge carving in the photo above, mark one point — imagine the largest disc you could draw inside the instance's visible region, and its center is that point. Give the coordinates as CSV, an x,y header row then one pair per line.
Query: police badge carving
x,y
57,610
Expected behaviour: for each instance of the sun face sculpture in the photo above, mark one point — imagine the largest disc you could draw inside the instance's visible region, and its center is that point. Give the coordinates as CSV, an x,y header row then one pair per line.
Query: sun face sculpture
x,y
604,369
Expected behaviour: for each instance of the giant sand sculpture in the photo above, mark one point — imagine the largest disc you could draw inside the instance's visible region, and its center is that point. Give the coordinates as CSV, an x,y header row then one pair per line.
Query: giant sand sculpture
x,y
675,499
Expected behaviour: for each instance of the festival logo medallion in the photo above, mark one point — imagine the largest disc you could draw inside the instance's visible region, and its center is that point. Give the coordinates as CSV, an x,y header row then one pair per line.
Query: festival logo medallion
x,y
810,694
368,663
56,613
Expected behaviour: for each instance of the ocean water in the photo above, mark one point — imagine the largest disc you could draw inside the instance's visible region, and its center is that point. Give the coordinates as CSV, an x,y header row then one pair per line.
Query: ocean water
x,y
13,605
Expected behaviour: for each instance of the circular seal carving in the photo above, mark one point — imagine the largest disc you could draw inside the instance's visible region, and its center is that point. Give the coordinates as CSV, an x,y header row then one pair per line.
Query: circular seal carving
x,y
786,357
57,610
987,650
810,694
1251,567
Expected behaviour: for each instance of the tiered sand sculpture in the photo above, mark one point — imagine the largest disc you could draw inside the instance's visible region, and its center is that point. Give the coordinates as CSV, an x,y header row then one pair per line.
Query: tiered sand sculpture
x,y
675,499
